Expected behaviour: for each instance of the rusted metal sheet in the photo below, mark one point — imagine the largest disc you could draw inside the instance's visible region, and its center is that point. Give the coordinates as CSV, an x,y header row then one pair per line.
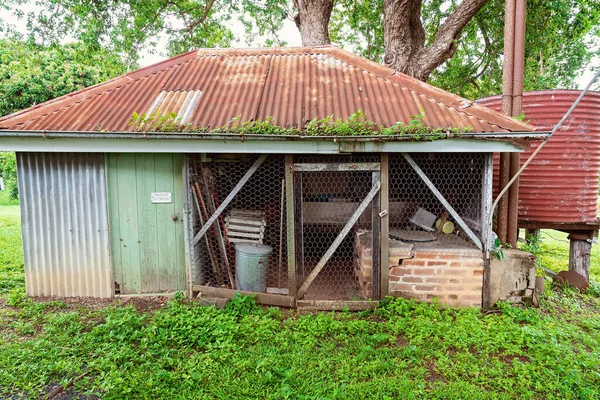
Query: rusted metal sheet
x,y
293,86
561,184
64,223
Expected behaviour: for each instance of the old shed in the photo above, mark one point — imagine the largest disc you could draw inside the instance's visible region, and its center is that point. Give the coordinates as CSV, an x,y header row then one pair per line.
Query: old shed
x,y
112,208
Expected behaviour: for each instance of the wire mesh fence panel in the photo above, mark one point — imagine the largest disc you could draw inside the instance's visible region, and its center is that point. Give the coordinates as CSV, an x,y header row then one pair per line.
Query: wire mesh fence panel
x,y
253,223
417,215
326,200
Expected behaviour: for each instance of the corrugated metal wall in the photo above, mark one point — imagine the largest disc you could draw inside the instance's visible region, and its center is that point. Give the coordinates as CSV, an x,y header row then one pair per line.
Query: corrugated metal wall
x,y
65,224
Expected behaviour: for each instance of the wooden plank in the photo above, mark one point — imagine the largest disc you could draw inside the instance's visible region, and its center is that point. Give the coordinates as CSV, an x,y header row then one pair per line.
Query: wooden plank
x,y
323,167
336,305
261,298
149,227
290,221
376,239
230,197
299,221
129,220
178,205
338,240
114,217
442,200
486,200
384,196
167,247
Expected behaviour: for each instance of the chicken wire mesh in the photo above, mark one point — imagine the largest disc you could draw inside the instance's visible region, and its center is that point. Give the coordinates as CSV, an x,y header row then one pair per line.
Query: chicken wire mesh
x,y
328,200
414,207
255,215
324,201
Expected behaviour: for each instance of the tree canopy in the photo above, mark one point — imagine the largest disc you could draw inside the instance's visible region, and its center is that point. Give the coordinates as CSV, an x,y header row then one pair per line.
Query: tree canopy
x,y
31,74
458,44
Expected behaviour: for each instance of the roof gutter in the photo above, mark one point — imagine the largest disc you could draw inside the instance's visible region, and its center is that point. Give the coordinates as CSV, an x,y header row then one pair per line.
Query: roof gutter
x,y
47,134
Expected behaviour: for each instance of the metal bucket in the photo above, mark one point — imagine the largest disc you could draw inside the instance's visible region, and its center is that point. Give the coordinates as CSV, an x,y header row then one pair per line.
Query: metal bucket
x,y
251,263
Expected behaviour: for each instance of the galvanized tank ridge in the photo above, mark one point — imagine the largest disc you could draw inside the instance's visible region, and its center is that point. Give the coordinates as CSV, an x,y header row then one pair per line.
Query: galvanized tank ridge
x,y
561,184
64,224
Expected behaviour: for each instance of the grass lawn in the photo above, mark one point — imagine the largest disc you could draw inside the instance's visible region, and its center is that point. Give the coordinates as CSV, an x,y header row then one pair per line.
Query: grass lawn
x,y
184,350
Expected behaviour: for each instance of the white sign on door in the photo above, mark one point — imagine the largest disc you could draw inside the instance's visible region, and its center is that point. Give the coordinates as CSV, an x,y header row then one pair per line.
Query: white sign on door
x,y
160,197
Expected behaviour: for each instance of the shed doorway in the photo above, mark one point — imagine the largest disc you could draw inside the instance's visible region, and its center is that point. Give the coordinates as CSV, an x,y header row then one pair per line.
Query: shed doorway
x,y
145,201
336,205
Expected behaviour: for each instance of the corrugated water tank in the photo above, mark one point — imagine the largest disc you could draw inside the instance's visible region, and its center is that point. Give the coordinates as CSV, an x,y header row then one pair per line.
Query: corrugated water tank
x,y
561,184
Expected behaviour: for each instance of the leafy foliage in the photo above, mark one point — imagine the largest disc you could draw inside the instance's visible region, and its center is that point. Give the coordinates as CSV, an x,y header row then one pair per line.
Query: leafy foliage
x,y
31,74
357,124
404,349
562,39
8,172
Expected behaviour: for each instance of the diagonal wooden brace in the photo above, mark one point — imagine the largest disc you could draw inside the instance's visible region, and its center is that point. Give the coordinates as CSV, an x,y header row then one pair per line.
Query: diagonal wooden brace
x,y
338,240
442,200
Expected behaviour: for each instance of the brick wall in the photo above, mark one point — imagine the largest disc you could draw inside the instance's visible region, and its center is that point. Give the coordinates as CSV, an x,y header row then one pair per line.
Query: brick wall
x,y
454,275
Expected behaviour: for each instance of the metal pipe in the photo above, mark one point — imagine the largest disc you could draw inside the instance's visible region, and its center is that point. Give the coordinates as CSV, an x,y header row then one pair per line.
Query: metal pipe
x,y
512,226
533,155
504,178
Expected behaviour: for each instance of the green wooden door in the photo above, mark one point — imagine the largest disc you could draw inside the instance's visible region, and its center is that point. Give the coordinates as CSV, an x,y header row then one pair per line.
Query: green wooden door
x,y
145,199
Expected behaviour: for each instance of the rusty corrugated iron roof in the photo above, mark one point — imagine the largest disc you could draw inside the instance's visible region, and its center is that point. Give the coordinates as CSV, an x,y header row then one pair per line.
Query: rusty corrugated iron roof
x,y
291,85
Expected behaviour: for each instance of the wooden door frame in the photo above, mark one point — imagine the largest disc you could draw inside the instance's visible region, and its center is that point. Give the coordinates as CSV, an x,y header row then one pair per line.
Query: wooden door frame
x,y
379,203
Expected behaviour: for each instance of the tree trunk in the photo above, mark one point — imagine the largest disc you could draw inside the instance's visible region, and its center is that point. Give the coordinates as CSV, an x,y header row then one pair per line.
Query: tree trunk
x,y
404,36
312,21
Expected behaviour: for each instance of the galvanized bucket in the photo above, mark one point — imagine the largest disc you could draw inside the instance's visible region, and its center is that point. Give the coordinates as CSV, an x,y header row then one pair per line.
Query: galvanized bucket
x,y
251,263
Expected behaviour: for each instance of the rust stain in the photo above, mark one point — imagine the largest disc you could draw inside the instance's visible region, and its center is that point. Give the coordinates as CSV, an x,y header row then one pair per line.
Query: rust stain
x,y
561,184
291,85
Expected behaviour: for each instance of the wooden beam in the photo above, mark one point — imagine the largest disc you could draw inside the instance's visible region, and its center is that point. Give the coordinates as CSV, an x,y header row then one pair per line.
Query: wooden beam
x,y
335,305
333,167
290,224
376,240
230,197
261,298
338,240
385,225
442,200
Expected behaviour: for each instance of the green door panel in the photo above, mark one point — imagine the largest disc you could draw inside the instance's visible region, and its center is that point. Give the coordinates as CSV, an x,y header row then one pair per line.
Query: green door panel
x,y
147,238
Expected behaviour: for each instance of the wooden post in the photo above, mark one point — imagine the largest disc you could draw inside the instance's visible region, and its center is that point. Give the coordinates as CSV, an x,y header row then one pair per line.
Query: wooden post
x,y
290,224
376,240
529,232
385,227
579,254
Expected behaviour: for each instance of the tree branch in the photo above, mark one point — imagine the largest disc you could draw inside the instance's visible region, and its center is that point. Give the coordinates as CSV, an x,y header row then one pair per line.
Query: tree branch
x,y
444,42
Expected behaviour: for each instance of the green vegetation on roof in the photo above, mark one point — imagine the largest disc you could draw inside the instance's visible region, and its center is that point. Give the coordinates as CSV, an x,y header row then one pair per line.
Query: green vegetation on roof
x,y
357,124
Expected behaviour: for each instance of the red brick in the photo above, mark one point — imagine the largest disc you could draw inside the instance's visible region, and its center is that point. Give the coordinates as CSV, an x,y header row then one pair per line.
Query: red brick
x,y
425,288
412,279
435,279
436,263
454,272
452,297
413,263
402,287
424,271
454,281
393,278
478,272
400,271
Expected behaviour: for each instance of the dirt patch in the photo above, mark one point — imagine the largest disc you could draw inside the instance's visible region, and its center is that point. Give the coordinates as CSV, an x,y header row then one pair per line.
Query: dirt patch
x,y
509,359
401,341
142,304
433,375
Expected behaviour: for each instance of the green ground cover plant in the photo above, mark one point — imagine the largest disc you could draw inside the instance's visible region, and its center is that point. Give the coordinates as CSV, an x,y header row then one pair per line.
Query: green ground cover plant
x,y
186,350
